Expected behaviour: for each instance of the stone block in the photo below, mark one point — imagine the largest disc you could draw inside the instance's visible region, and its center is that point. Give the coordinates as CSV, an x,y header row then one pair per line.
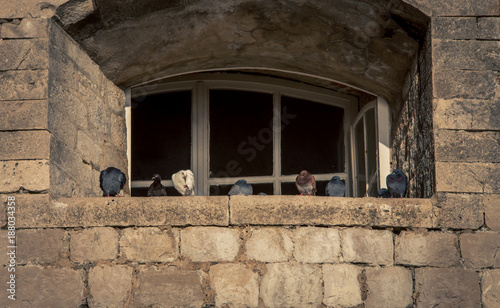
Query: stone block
x,y
467,114
342,286
389,287
118,132
168,287
210,244
94,244
270,245
24,115
367,246
465,8
427,249
115,97
452,83
27,28
19,145
291,285
316,245
148,245
488,28
234,285
29,8
90,151
459,211
479,250
110,285
74,11
62,127
474,55
454,28
468,177
17,174
62,184
41,245
23,85
492,212
29,54
4,257
491,288
466,146
447,287
326,211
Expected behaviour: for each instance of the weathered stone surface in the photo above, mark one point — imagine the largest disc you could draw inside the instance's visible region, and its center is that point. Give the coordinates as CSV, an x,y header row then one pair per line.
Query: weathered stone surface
x,y
110,285
467,114
18,145
210,244
488,28
24,115
29,54
449,83
62,127
160,211
72,12
94,244
17,174
29,8
461,211
148,245
168,287
41,245
342,287
367,246
316,245
234,285
491,288
480,249
389,287
474,54
23,85
293,210
468,177
89,150
492,212
118,132
447,287
291,285
454,28
428,249
270,245
465,146
27,28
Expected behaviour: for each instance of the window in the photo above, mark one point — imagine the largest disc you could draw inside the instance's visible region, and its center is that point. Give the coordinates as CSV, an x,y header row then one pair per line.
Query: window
x,y
263,130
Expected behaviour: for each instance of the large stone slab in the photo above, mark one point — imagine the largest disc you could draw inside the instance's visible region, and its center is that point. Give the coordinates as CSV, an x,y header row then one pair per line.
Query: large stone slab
x,y
468,177
149,245
94,244
466,146
480,250
342,286
454,28
464,8
24,145
27,28
474,54
489,28
29,54
367,246
389,287
210,244
234,285
29,8
270,245
301,210
42,246
316,245
110,285
492,212
16,174
463,84
459,211
467,114
24,85
491,288
24,115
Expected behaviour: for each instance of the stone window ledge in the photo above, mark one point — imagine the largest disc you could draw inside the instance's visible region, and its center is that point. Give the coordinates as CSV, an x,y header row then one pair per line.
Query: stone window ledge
x,y
39,211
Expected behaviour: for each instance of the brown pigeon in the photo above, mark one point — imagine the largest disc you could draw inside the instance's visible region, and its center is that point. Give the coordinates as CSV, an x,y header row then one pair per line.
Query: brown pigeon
x,y
306,184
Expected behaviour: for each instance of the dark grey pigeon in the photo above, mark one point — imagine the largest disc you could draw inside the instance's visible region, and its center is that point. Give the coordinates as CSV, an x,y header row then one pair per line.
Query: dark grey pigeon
x,y
156,189
335,188
396,183
384,193
306,183
112,181
241,187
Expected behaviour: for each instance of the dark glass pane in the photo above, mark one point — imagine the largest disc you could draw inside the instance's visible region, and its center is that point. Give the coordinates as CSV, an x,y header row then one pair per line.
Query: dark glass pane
x,y
241,137
371,150
143,192
161,134
312,137
222,190
360,158
291,189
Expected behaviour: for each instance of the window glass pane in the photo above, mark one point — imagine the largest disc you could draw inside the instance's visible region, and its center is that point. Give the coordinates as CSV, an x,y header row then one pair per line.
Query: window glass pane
x,y
222,190
161,134
360,157
312,137
241,137
371,142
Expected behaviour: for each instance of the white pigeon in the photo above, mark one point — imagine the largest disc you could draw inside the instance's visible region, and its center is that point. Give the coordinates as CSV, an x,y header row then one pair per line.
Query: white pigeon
x,y
184,182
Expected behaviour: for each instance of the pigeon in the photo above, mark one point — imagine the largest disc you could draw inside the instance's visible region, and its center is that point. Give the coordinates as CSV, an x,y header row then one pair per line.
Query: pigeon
x,y
396,183
241,187
335,188
384,193
184,182
156,189
306,184
112,181
262,194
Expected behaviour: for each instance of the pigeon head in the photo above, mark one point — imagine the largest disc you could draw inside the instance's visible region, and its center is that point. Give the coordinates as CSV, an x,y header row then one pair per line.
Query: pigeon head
x,y
304,173
156,177
398,172
335,178
241,182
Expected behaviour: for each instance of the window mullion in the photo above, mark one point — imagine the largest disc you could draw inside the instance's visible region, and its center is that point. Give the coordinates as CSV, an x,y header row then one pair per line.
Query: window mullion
x,y
200,138
277,142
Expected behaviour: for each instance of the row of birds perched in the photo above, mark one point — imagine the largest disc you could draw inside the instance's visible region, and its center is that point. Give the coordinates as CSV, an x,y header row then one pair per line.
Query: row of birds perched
x,y
112,181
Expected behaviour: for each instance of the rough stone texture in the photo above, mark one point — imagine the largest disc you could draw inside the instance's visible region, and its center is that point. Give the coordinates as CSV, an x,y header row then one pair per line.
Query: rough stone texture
x,y
72,12
148,245
427,249
41,245
234,285
461,211
23,115
389,287
470,114
342,287
488,28
463,84
474,54
17,174
24,54
316,245
27,28
291,285
29,8
94,244
447,287
168,287
464,146
270,245
23,85
468,177
492,212
291,210
454,28
480,249
491,288
367,246
210,244
110,286
20,145
464,8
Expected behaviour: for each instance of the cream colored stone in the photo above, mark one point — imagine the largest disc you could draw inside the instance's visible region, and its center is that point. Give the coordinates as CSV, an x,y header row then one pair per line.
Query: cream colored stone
x,y
491,288
210,244
148,245
367,246
17,174
269,245
316,245
492,212
342,287
94,244
110,285
390,287
41,245
234,285
480,250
